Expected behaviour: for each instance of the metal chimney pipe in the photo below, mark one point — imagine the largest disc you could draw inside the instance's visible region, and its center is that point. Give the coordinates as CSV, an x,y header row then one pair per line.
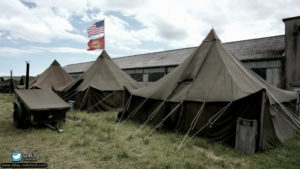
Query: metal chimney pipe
x,y
11,82
27,75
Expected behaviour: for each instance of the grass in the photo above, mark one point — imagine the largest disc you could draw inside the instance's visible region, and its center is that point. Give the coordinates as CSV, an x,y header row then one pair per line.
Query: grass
x,y
91,141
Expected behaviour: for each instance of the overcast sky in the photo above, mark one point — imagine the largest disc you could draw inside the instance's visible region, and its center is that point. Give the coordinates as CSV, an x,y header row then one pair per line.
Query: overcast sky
x,y
40,31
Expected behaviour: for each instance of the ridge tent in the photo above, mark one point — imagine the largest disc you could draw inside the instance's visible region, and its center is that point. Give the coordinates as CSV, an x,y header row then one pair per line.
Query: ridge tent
x,y
54,77
206,94
100,88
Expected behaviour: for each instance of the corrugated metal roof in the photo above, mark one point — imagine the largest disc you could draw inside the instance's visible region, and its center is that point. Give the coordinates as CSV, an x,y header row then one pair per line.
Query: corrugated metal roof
x,y
252,49
257,49
263,64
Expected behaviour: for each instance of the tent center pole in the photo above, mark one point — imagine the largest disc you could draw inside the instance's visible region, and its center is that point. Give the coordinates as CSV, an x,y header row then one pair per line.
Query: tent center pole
x,y
262,114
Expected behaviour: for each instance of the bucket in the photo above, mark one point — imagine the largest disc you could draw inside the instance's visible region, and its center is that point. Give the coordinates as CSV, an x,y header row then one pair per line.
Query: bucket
x,y
71,104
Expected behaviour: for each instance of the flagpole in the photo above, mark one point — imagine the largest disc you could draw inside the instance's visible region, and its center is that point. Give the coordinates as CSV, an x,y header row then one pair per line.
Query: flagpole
x,y
104,31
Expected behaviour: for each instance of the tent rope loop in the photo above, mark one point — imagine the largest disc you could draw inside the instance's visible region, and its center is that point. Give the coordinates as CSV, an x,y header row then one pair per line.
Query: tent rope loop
x,y
165,118
106,97
125,109
150,117
212,122
193,124
216,116
136,109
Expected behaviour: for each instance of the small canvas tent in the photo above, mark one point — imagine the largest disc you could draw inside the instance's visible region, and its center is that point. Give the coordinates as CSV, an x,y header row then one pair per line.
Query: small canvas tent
x,y
38,106
206,94
54,77
100,88
7,85
23,80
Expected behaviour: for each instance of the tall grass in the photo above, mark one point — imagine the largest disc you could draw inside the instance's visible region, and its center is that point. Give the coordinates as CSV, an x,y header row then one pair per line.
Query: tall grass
x,y
92,141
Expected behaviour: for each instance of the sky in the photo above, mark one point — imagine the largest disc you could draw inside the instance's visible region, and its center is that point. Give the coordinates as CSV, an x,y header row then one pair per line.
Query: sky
x,y
40,31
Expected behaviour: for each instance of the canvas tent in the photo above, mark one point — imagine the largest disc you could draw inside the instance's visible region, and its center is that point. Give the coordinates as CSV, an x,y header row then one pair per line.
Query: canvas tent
x,y
23,80
100,88
206,94
6,85
54,77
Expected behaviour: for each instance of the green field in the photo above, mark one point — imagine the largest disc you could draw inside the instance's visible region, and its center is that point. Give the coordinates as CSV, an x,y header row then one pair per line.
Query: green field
x,y
91,141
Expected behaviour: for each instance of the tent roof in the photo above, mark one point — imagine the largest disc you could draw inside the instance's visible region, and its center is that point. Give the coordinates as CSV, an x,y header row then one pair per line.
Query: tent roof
x,y
53,77
41,99
211,74
103,75
212,36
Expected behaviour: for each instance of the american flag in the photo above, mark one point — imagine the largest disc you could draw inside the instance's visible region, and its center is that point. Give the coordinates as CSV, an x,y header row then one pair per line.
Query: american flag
x,y
96,28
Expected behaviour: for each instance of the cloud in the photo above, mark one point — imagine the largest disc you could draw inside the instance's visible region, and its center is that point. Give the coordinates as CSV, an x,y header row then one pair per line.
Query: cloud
x,y
27,51
174,23
127,7
37,24
168,31
65,8
68,50
117,32
38,29
185,23
14,52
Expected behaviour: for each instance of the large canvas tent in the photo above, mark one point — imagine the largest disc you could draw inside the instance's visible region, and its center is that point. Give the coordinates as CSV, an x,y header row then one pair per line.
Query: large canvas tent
x,y
54,77
206,94
100,88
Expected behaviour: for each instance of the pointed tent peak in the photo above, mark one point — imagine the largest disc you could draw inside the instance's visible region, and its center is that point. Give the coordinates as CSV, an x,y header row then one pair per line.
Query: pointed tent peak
x,y
104,54
55,63
212,35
